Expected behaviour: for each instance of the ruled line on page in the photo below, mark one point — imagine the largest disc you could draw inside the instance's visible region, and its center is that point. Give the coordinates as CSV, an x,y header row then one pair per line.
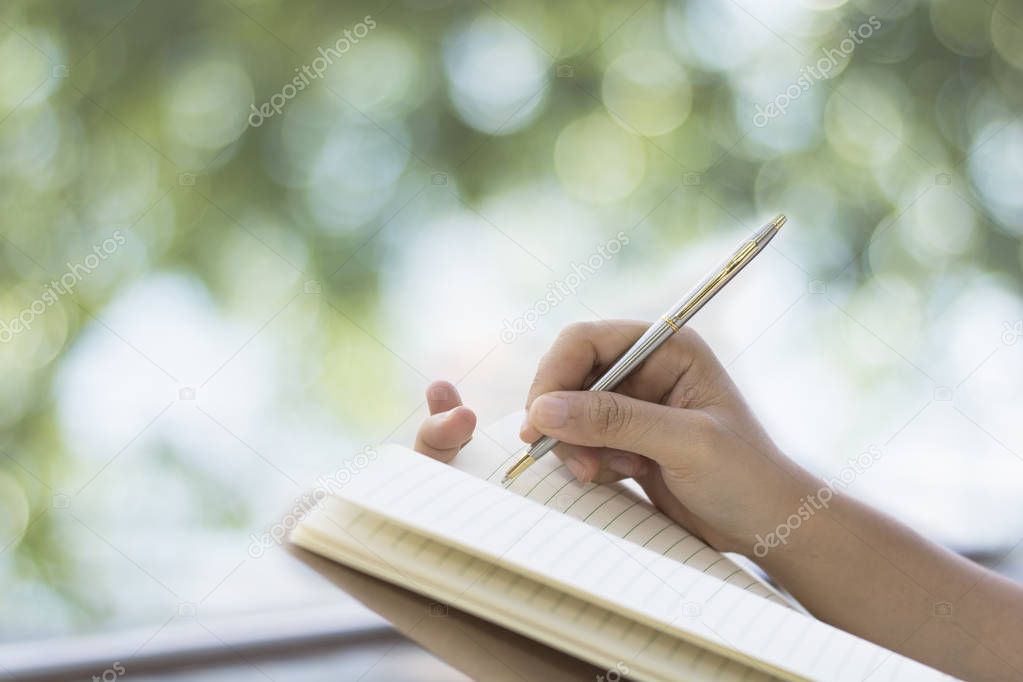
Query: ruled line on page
x,y
492,587
504,528
550,483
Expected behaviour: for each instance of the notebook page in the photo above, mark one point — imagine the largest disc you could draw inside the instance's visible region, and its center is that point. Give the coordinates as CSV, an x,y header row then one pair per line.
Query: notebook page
x,y
489,522
616,508
368,542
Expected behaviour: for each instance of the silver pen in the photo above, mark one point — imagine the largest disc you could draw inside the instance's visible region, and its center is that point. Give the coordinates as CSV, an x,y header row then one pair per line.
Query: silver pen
x,y
661,330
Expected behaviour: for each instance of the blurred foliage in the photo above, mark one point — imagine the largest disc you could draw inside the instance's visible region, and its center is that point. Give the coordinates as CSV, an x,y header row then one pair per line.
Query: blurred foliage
x,y
136,116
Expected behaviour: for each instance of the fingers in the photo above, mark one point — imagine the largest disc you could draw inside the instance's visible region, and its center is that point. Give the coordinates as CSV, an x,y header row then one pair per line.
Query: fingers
x,y
600,465
582,462
580,349
666,435
449,426
442,396
660,494
583,351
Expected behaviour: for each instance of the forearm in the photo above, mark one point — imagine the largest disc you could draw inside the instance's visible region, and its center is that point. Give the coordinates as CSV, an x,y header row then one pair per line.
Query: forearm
x,y
865,573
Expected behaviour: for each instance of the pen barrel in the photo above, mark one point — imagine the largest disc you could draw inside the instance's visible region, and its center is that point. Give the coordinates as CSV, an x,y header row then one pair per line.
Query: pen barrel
x,y
673,320
541,447
652,338
698,296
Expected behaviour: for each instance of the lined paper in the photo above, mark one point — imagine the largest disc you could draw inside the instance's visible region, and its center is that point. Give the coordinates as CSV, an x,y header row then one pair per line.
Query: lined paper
x,y
369,542
435,501
616,508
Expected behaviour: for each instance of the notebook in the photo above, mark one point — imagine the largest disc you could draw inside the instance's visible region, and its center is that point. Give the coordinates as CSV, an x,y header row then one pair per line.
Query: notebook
x,y
592,570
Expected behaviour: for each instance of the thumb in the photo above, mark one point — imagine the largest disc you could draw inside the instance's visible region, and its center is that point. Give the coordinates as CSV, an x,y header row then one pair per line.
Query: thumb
x,y
605,419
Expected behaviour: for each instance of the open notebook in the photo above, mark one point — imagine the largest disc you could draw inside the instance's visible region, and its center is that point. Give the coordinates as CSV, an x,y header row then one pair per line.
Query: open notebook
x,y
591,570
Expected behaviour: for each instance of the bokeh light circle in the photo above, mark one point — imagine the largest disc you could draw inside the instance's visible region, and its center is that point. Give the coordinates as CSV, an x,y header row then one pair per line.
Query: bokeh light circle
x,y
996,166
865,118
384,78
597,160
961,27
497,78
648,91
1007,31
208,104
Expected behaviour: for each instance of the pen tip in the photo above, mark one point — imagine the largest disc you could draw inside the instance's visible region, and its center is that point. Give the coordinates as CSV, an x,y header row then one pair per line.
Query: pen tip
x,y
779,221
524,463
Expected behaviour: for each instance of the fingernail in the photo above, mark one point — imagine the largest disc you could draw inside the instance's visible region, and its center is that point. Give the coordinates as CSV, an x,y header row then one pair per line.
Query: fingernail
x,y
578,469
623,464
550,412
525,423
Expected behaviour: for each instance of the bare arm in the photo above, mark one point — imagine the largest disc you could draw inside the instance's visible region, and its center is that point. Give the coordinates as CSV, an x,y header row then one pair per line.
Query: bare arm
x,y
870,575
681,429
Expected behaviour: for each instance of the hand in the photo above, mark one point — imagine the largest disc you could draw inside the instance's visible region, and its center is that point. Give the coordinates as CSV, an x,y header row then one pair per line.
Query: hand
x,y
678,425
449,426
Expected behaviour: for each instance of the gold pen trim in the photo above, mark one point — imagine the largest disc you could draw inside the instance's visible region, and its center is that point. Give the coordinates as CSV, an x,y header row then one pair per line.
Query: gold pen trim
x,y
524,463
698,298
652,340
748,250
743,254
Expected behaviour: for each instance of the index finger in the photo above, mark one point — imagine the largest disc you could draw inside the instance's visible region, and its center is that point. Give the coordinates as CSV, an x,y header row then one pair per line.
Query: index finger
x,y
580,349
584,350
576,357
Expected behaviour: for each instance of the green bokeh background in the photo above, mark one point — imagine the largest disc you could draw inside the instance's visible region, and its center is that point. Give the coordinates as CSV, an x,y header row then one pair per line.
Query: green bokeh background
x,y
903,167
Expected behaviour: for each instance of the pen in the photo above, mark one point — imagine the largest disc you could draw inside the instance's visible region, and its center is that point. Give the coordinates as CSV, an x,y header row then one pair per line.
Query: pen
x,y
661,330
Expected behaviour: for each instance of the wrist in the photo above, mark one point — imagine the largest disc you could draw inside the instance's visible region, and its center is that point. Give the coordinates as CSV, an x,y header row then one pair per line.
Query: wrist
x,y
789,528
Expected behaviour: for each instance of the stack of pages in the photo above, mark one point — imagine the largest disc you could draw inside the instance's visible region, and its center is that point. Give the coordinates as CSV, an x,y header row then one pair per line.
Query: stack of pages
x,y
593,570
